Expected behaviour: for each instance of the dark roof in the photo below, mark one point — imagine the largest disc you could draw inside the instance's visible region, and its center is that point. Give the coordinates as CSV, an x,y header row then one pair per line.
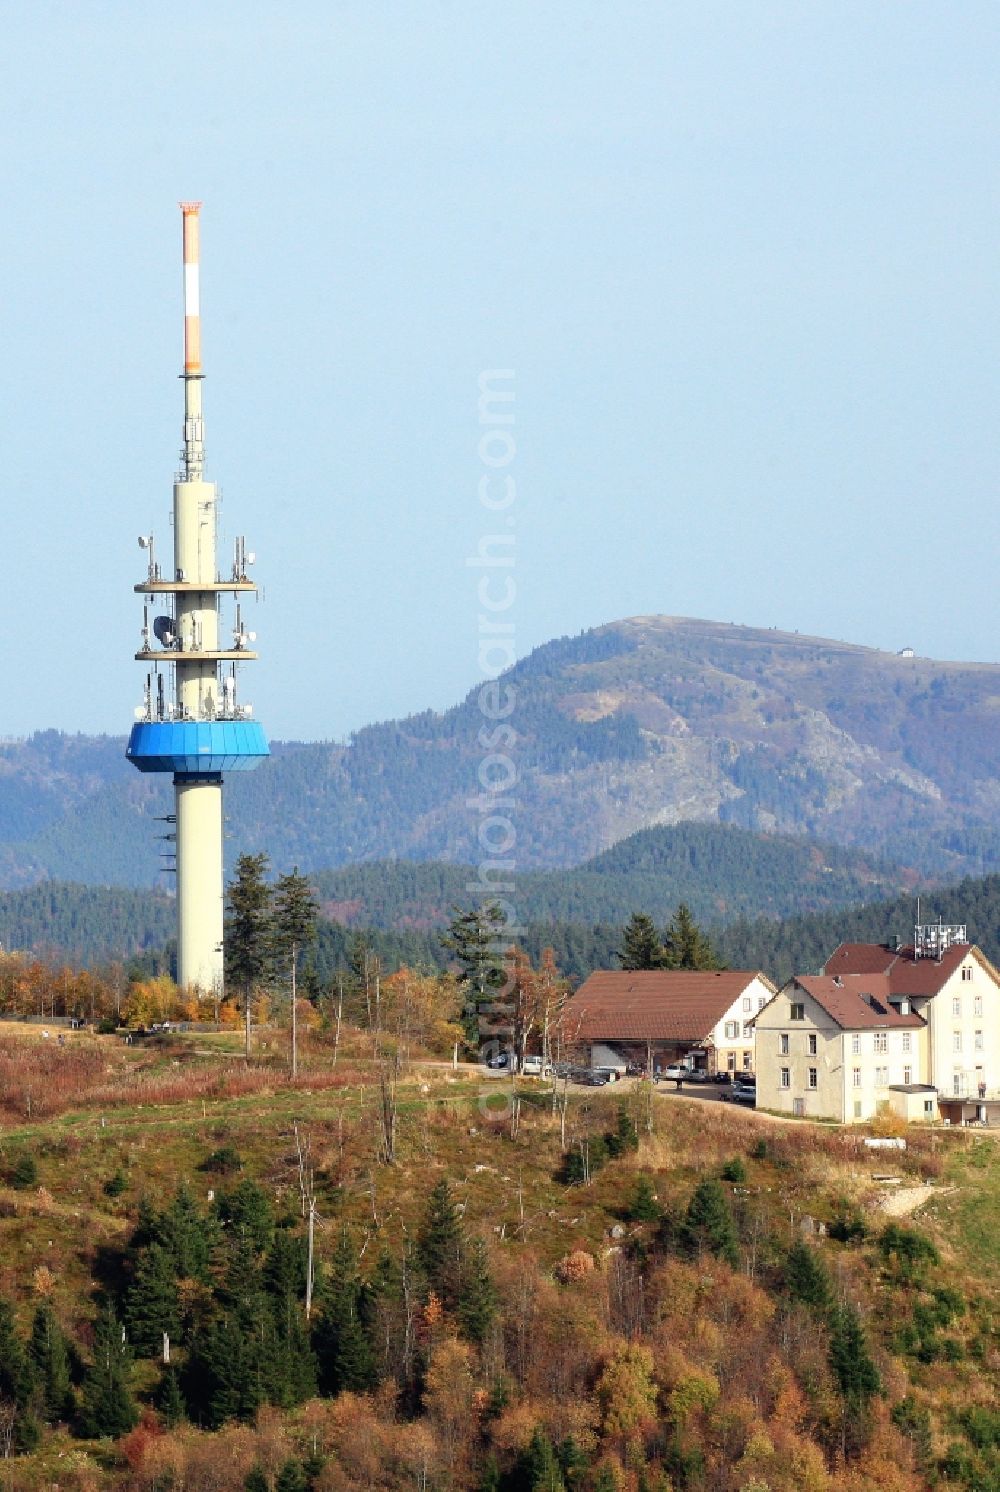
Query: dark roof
x,y
658,1005
857,1002
907,975
912,1088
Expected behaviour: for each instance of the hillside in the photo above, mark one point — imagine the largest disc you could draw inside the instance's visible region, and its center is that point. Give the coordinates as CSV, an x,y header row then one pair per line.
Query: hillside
x,y
648,721
640,1291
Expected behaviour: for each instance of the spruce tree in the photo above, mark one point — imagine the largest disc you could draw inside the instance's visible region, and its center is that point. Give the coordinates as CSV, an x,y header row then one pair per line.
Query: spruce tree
x,y
709,1222
643,1207
343,1351
806,1278
641,945
108,1407
245,1212
439,1244
291,1478
152,1305
256,1480
685,946
856,1374
188,1236
17,1378
540,1471
168,1397
295,914
49,1352
477,1300
247,937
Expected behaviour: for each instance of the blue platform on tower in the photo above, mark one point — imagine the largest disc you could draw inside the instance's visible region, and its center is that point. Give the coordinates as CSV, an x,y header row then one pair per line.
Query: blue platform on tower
x,y
197,748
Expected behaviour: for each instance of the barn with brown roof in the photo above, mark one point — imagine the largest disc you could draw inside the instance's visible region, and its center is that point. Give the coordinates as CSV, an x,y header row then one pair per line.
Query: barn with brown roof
x,y
621,1017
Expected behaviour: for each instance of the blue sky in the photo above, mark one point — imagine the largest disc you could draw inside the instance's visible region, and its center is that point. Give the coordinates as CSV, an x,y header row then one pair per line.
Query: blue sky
x,y
741,256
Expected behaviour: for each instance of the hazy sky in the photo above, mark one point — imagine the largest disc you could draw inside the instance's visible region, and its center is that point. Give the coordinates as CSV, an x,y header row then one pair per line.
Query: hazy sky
x,y
741,255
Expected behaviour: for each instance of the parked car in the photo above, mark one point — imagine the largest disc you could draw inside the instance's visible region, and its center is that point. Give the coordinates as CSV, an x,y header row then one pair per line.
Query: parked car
x,y
592,1078
498,1060
698,1075
534,1067
722,1077
743,1090
675,1073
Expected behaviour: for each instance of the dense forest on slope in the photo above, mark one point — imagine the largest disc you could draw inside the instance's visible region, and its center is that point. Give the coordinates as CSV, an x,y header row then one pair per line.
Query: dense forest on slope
x,y
647,721
720,871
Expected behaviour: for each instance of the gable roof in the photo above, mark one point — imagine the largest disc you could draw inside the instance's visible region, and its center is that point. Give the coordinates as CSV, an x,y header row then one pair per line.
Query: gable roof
x,y
857,1002
907,974
655,1004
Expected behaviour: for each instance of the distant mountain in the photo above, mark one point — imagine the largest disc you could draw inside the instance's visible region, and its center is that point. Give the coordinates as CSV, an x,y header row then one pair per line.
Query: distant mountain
x,y
721,872
650,721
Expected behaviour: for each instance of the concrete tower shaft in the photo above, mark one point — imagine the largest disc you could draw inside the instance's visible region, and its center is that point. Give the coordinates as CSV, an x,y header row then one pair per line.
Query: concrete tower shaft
x,y
194,728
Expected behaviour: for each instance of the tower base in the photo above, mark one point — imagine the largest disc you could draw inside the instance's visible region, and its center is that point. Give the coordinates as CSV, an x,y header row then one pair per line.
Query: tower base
x,y
199,884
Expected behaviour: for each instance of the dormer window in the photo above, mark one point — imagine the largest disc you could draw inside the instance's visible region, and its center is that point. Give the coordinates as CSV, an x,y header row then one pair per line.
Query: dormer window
x,y
904,1007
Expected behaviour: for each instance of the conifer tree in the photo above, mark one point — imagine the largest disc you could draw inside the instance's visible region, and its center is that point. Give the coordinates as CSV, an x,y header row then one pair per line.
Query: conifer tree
x,y
248,945
489,1476
709,1222
540,1471
641,947
643,1207
477,1301
343,1350
246,1213
256,1480
806,1278
108,1407
188,1236
49,1352
152,1305
168,1397
439,1244
17,1381
685,946
295,915
291,1478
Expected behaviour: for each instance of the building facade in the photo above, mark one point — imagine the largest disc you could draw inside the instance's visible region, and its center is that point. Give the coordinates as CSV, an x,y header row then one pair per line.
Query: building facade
x,y
885,1029
621,1017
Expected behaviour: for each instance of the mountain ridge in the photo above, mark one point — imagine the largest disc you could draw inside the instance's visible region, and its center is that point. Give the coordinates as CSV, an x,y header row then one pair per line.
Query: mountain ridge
x,y
642,722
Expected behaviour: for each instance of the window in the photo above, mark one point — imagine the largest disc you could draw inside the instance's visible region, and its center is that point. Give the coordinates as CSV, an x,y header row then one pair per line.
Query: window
x,y
856,1074
857,1108
783,1043
956,1041
977,1005
881,1077
956,1084
855,1044
928,1105
761,1001
731,1061
978,1041
732,1030
748,1061
956,1005
966,971
747,1003
907,1074
747,1030
881,1041
812,1046
907,1041
786,1078
813,1078
798,1012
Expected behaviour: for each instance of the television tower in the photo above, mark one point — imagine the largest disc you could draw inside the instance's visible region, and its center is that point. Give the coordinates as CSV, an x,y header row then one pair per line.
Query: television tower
x,y
189,722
